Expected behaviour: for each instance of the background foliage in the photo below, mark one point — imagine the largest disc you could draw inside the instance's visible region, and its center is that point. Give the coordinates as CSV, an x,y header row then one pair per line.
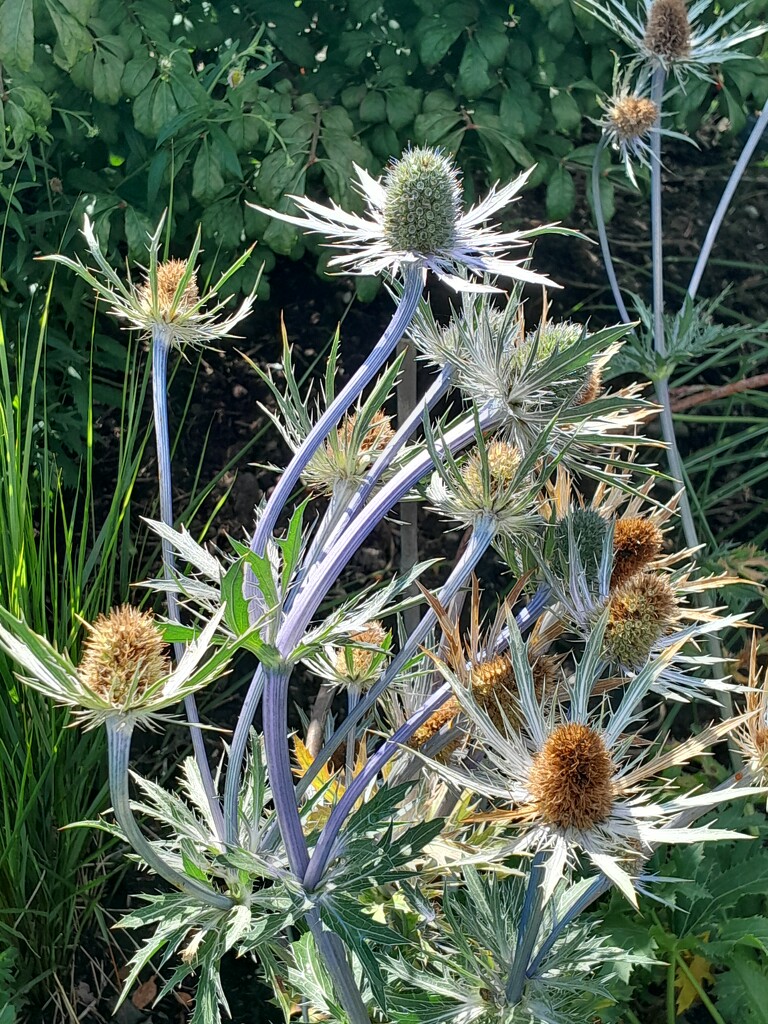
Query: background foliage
x,y
123,109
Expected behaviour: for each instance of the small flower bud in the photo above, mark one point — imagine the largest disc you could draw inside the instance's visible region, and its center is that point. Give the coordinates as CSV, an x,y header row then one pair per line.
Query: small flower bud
x,y
631,117
636,542
586,529
359,664
169,276
503,462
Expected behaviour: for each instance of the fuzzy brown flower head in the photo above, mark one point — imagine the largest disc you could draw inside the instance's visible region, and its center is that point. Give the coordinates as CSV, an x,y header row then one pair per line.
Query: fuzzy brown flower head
x,y
379,434
668,31
338,461
169,276
636,542
641,610
123,655
503,462
423,203
354,662
572,778
632,117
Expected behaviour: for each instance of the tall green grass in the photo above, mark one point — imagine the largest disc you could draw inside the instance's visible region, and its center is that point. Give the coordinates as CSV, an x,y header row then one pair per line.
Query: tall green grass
x,y
62,558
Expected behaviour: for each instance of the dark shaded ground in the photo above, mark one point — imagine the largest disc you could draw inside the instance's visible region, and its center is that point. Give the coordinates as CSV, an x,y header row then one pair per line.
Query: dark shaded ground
x,y
225,407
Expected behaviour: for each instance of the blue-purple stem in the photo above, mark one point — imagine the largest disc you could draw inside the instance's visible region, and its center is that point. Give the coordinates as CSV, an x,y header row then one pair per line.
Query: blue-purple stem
x,y
478,544
403,315
256,688
728,193
605,249
160,347
319,581
528,932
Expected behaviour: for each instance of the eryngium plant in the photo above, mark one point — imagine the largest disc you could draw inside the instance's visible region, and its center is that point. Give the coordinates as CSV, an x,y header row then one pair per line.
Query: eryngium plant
x,y
491,787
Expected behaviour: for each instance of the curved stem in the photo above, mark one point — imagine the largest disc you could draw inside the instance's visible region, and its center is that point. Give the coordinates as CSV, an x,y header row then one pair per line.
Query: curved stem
x,y
728,193
326,844
605,249
119,732
460,574
403,315
335,544
160,348
481,538
278,757
530,925
598,887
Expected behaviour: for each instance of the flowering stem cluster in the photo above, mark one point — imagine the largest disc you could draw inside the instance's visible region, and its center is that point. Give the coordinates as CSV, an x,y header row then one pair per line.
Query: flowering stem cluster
x,y
424,873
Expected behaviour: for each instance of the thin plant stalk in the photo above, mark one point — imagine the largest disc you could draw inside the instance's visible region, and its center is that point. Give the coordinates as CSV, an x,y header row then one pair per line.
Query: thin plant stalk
x,y
676,467
119,733
160,348
402,317
409,510
659,341
725,201
605,249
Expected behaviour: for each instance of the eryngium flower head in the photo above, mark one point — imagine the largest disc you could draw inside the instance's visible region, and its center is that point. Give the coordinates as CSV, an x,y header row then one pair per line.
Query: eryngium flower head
x,y
630,118
348,453
494,486
124,656
641,611
360,662
543,385
570,778
670,35
166,305
124,671
414,218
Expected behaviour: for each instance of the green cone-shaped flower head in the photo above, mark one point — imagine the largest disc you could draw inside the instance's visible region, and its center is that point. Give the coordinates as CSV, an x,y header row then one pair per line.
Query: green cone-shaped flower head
x,y
422,203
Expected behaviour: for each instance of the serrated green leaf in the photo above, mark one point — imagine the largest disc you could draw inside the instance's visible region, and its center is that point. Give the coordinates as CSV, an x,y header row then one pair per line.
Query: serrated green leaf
x,y
69,21
17,34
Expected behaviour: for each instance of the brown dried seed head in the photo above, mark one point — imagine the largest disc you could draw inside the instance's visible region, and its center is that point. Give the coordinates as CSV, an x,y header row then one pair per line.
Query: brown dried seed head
x,y
636,542
571,779
374,635
632,117
125,653
490,676
668,31
169,277
641,610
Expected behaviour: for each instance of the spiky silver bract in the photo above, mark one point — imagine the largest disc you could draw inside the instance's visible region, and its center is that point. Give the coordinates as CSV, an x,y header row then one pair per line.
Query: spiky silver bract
x,y
414,217
655,32
167,303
